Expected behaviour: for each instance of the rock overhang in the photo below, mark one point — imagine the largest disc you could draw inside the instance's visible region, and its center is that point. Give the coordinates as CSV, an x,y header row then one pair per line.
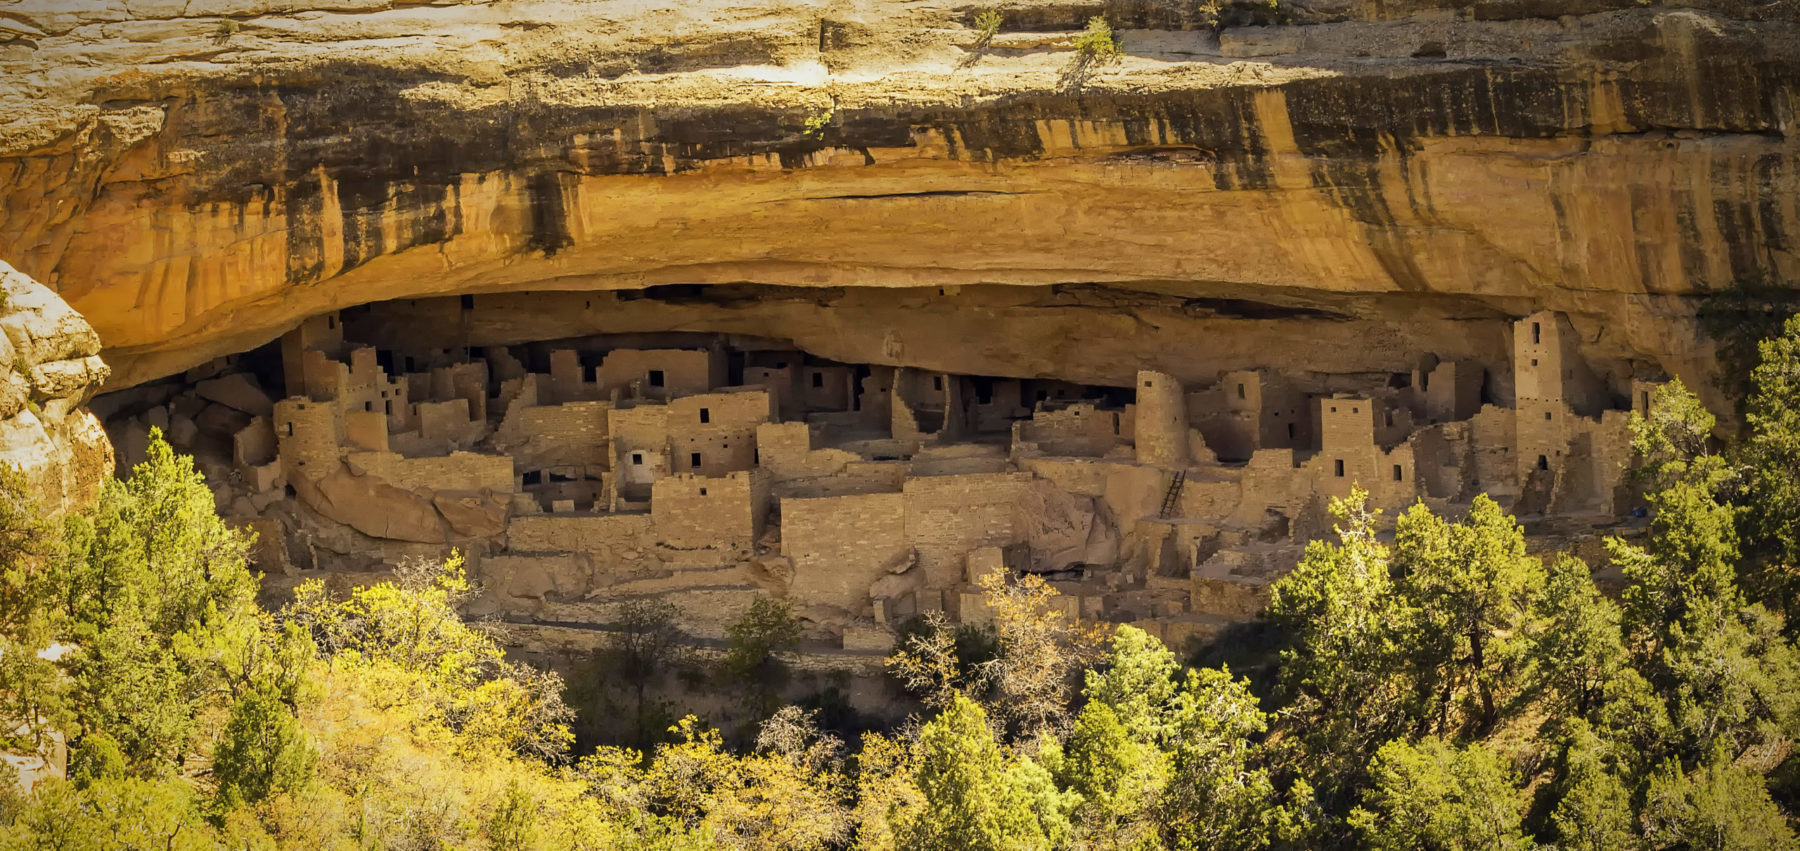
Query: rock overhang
x,y
203,199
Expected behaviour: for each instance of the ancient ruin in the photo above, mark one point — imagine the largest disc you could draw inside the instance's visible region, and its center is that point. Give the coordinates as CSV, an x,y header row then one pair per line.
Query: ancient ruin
x,y
709,468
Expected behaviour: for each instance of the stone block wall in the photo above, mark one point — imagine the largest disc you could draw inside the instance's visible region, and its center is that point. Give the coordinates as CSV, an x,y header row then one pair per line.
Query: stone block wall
x,y
719,428
1080,429
700,512
946,516
443,421
603,537
661,373
841,545
365,431
309,437
572,434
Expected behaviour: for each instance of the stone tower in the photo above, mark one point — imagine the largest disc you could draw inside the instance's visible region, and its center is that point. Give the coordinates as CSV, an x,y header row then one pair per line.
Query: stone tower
x,y
1551,384
1162,423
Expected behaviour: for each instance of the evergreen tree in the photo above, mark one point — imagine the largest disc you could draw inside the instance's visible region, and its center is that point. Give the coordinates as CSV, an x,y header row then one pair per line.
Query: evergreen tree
x,y
1593,809
1436,797
1769,461
1717,807
1343,670
1470,583
263,752
1724,669
1119,777
972,796
1580,667
1219,795
151,584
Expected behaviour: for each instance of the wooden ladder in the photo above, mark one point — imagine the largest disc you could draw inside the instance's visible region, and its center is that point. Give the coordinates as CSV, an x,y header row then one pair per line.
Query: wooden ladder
x,y
1173,497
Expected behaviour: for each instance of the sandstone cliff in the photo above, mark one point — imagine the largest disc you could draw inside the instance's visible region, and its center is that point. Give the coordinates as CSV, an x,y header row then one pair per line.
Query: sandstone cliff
x,y
50,369
1338,183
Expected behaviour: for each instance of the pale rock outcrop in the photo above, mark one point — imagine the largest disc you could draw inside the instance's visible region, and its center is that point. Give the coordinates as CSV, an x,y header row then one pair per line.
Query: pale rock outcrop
x,y
50,360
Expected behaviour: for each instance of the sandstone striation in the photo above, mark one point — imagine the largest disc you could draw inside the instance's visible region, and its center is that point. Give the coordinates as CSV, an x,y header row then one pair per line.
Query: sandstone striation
x,y
198,177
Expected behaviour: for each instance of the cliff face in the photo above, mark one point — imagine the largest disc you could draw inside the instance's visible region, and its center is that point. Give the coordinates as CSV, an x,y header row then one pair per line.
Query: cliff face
x,y
50,369
1347,189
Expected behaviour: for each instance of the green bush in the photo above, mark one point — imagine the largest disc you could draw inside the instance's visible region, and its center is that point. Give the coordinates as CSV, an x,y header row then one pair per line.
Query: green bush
x,y
1097,41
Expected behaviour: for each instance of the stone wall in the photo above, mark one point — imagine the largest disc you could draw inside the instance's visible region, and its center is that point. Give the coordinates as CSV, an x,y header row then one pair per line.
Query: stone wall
x,y
1162,423
841,544
605,537
661,373
718,428
1081,429
946,516
309,435
709,512
573,434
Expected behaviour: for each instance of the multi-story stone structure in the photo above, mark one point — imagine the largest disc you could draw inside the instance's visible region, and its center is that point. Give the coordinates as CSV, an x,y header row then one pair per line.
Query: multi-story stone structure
x,y
578,473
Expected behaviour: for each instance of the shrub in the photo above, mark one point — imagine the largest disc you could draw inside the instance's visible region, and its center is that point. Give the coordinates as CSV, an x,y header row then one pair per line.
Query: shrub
x,y
987,25
1097,41
768,628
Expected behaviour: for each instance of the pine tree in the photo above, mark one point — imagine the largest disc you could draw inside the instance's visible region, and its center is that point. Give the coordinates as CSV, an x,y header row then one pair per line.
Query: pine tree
x,y
151,584
1438,797
1717,807
1345,675
1593,809
1769,460
1470,583
973,798
263,752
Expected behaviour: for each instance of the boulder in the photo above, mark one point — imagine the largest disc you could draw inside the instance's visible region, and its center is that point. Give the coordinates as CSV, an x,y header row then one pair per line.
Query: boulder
x,y
372,507
472,515
237,391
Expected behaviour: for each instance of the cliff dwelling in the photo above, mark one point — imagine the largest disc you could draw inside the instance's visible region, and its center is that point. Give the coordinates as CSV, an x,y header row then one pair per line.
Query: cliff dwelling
x,y
707,467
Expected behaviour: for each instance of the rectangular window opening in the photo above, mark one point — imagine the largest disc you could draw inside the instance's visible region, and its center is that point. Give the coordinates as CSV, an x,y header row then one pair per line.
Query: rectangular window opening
x,y
468,302
1543,463
694,460
656,378
1290,431
1399,474
637,459
703,491
705,415
1339,467
937,382
818,379
1240,391
1537,336
368,406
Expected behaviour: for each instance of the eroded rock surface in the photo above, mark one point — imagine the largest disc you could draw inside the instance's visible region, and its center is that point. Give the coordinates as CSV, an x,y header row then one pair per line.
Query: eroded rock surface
x,y
196,177
49,367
